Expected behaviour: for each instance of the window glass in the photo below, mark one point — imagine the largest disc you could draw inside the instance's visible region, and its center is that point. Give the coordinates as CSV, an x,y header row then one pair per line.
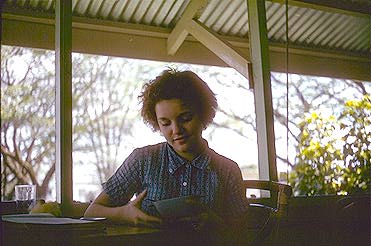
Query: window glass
x,y
107,124
327,123
27,121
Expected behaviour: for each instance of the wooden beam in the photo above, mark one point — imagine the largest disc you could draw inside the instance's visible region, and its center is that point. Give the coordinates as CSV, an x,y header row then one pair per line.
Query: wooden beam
x,y
63,71
354,8
219,47
262,90
179,33
363,7
99,27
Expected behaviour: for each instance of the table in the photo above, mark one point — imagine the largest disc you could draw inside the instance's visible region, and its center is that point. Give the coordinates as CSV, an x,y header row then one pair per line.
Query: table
x,y
103,234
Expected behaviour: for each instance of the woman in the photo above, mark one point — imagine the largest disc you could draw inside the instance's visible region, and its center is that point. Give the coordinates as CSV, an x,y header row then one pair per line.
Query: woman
x,y
180,105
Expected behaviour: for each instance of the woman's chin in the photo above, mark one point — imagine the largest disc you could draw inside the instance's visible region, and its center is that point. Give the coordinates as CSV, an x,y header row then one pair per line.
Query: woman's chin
x,y
181,149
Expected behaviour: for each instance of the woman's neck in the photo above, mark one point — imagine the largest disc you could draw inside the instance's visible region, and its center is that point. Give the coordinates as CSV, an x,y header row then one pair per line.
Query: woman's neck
x,y
195,152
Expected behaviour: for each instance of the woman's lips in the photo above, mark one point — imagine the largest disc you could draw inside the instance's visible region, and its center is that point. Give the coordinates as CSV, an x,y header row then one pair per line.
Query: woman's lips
x,y
180,139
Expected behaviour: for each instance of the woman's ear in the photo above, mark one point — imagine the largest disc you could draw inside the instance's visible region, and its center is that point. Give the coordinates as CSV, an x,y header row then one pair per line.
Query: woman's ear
x,y
157,127
204,126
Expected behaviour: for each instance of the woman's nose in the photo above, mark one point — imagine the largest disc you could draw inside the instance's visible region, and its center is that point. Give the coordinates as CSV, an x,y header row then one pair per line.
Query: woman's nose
x,y
177,128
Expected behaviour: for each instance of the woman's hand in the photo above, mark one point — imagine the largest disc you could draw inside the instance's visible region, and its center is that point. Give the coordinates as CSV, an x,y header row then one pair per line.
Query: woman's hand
x,y
132,213
129,213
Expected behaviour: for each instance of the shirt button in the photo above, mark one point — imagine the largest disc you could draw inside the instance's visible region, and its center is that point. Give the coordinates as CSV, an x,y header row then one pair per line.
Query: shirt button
x,y
184,183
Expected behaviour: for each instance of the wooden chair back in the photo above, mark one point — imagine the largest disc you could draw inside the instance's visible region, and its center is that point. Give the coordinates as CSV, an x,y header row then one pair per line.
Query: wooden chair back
x,y
263,221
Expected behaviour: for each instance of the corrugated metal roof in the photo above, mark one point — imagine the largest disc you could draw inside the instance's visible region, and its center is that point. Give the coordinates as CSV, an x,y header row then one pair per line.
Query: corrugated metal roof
x,y
308,27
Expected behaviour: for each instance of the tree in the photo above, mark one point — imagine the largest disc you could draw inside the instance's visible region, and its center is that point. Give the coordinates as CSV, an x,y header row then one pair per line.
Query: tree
x,y
356,122
334,154
305,94
317,169
105,90
27,132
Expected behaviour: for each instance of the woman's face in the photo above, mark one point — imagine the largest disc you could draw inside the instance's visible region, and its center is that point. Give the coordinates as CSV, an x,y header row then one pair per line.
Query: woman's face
x,y
181,127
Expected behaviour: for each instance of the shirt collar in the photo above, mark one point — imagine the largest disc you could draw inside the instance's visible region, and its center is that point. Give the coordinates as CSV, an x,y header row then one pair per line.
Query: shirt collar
x,y
175,161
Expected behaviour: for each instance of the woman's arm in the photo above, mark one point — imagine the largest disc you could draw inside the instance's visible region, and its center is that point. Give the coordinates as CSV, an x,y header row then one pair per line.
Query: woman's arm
x,y
129,213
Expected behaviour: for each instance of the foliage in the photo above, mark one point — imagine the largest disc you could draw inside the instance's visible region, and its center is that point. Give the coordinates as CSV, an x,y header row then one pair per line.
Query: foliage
x,y
356,121
334,154
305,95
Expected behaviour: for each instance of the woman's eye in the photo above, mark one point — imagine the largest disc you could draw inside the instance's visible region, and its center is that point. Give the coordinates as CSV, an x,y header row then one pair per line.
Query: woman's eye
x,y
186,118
165,123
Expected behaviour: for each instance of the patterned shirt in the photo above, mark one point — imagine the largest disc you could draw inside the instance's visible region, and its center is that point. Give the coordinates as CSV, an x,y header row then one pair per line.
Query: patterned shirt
x,y
160,170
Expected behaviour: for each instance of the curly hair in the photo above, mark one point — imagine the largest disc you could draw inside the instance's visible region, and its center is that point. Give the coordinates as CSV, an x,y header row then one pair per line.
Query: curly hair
x,y
183,85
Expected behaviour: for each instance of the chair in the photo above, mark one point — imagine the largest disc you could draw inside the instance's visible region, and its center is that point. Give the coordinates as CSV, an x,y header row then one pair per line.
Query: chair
x,y
263,220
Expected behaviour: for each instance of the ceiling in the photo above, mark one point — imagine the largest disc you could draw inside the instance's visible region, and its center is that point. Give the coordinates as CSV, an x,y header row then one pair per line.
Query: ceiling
x,y
325,38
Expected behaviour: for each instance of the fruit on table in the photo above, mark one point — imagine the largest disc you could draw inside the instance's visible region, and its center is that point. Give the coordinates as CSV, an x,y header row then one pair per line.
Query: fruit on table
x,y
46,207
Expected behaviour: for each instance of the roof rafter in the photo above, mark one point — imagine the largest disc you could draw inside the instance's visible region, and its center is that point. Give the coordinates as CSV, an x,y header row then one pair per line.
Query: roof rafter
x,y
179,33
188,25
219,47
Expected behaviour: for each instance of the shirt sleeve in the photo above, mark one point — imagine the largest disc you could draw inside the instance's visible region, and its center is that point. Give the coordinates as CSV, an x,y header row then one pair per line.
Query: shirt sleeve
x,y
236,201
122,185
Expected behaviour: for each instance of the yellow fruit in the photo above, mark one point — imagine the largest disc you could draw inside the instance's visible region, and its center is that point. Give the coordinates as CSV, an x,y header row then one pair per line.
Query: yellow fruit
x,y
47,207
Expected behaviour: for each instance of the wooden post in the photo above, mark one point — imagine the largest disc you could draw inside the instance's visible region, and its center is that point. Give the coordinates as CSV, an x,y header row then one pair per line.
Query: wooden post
x,y
63,72
262,90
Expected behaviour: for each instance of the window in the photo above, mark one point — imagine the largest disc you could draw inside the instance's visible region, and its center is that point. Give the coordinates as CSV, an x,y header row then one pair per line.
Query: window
x,y
106,123
328,128
27,120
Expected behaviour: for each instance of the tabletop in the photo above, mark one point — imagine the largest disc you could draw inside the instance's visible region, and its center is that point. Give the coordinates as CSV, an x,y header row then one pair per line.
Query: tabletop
x,y
97,233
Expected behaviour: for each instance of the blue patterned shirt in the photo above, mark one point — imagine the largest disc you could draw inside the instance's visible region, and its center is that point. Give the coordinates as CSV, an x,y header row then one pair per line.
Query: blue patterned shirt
x,y
160,170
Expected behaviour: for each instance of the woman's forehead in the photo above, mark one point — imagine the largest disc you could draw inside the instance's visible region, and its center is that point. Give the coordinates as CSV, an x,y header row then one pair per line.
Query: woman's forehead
x,y
172,107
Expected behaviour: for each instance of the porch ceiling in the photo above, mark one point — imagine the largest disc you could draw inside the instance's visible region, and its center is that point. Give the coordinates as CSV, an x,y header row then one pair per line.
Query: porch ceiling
x,y
332,32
